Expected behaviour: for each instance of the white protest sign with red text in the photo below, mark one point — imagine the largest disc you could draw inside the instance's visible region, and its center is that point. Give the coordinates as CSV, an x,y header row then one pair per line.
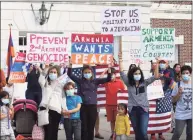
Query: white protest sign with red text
x,y
17,75
155,90
50,48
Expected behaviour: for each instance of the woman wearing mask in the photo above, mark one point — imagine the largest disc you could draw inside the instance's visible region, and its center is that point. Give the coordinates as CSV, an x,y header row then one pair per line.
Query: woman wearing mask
x,y
138,104
87,90
53,98
177,75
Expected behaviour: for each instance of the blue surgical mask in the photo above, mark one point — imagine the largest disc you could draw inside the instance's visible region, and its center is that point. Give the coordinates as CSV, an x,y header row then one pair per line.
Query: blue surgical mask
x,y
137,77
185,77
162,66
87,75
70,92
5,101
53,76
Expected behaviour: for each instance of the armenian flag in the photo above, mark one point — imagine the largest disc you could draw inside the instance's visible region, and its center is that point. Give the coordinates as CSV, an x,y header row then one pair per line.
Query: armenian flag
x,y
10,54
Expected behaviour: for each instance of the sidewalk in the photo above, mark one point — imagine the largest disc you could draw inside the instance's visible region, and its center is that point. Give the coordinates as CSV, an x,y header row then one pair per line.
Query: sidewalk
x,y
105,130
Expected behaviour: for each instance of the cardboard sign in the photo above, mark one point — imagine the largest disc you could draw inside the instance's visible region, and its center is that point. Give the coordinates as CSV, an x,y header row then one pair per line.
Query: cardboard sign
x,y
121,21
50,48
91,49
158,42
155,90
17,75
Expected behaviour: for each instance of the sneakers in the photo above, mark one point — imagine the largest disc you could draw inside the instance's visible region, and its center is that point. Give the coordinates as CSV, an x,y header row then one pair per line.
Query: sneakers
x,y
61,126
98,136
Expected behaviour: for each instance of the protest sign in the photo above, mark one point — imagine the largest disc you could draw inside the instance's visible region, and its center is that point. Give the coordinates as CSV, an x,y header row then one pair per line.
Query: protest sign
x,y
91,49
17,75
158,42
121,21
155,90
50,48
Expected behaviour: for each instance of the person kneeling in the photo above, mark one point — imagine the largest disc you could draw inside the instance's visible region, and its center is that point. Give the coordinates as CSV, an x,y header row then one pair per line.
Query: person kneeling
x,y
72,124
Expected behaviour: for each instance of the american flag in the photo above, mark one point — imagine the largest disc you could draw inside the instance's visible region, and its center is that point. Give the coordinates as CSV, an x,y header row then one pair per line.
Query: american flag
x,y
164,104
158,122
98,70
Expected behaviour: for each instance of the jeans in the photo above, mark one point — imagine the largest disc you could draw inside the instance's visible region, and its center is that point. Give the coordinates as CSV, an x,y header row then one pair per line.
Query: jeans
x,y
62,120
139,119
35,96
179,127
121,137
72,127
88,115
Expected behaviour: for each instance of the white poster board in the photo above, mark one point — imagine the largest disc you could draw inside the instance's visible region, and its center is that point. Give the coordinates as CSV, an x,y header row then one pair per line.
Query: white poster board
x,y
121,21
158,42
50,48
155,90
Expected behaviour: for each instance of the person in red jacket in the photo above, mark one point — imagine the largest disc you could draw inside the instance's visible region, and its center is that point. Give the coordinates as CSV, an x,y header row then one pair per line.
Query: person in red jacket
x,y
112,88
2,80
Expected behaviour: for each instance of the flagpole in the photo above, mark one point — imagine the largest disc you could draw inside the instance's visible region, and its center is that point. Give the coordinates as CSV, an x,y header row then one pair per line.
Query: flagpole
x,y
12,100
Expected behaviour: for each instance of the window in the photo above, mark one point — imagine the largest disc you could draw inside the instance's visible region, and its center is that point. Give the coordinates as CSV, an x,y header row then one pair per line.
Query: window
x,y
22,41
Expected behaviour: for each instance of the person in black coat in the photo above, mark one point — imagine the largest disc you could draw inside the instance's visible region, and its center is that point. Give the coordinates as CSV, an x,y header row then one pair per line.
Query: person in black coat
x,y
34,91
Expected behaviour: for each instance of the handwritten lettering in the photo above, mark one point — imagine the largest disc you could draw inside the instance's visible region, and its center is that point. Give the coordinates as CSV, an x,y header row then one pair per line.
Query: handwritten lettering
x,y
47,47
158,42
91,49
121,21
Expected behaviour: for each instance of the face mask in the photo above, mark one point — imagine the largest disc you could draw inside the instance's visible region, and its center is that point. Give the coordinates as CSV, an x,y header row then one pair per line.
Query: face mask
x,y
162,66
53,76
185,77
5,101
87,76
70,92
137,77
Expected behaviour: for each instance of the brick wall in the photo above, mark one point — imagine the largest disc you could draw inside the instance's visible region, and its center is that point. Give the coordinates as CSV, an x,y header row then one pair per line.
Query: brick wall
x,y
183,27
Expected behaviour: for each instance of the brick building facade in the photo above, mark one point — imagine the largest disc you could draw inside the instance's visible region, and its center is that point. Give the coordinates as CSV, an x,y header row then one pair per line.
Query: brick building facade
x,y
183,27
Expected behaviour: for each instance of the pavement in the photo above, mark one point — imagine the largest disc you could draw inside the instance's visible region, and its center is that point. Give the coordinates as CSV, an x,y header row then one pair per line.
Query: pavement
x,y
105,130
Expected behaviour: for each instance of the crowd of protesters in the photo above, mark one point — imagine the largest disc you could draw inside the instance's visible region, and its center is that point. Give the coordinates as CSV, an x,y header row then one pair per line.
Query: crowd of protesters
x,y
77,109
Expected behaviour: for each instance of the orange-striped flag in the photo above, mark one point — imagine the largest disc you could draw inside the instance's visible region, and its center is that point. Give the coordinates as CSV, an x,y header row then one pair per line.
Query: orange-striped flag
x,y
10,54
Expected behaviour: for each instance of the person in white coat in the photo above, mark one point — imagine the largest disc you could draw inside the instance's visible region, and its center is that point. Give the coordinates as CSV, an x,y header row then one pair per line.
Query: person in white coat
x,y
53,97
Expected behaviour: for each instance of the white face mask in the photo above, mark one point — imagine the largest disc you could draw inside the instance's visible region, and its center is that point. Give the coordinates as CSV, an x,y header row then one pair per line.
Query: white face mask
x,y
53,76
137,77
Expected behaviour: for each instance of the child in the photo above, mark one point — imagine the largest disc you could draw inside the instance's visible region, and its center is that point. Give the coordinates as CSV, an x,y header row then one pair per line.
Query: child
x,y
6,115
182,96
72,125
122,126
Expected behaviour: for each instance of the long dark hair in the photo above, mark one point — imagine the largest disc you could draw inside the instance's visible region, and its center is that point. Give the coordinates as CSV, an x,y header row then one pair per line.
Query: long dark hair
x,y
2,95
176,66
131,78
132,65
